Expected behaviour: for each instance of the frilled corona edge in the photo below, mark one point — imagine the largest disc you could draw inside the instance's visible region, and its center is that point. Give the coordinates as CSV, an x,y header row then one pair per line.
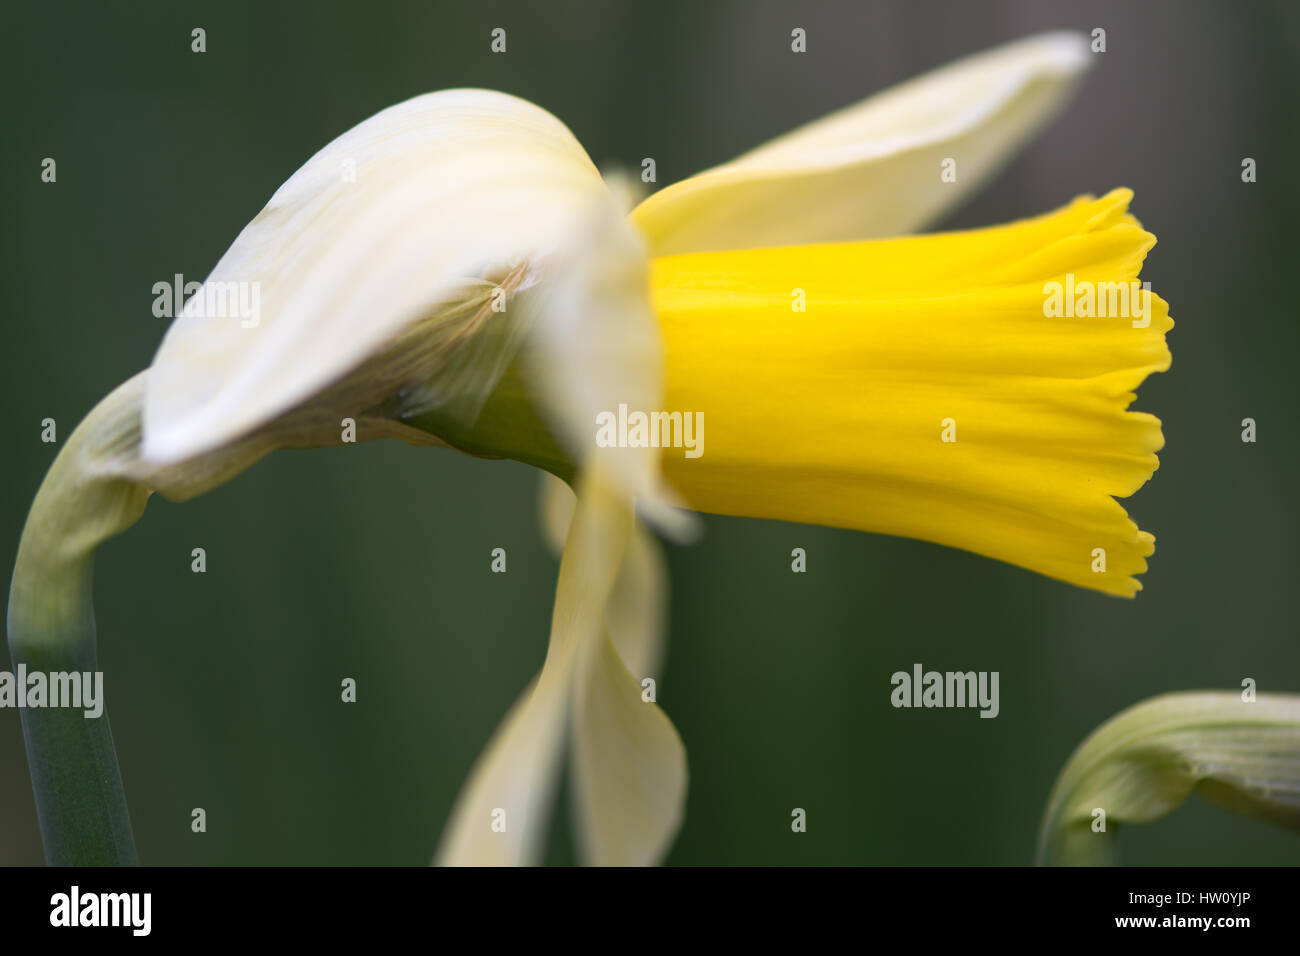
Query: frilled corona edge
x,y
969,388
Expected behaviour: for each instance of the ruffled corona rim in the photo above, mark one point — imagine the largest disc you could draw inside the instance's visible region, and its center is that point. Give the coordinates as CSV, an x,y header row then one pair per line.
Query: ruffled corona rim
x,y
937,387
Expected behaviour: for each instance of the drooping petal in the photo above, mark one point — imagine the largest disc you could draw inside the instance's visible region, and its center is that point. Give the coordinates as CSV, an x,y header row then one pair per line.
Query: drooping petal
x,y
555,506
638,606
637,611
513,783
503,813
425,206
925,391
598,348
874,169
629,765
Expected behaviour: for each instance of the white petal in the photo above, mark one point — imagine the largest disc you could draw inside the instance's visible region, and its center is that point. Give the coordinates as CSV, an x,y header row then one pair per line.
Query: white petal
x,y
636,615
449,188
503,813
873,169
555,504
629,765
597,347
517,772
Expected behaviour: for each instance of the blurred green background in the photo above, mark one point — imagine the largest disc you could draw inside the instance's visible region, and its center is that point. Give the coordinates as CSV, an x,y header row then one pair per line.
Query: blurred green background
x,y
372,561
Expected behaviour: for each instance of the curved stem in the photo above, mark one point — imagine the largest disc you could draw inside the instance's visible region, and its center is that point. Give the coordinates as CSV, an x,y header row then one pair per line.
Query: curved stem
x,y
84,499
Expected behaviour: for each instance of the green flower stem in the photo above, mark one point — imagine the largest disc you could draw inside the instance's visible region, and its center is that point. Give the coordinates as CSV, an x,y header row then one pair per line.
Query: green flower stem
x,y
83,501
79,797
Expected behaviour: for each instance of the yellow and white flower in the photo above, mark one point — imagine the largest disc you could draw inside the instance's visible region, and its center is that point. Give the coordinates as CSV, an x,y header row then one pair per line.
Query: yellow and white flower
x,y
455,271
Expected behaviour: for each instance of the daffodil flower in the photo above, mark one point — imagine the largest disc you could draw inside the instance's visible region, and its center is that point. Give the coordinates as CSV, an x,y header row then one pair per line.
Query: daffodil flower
x,y
455,271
